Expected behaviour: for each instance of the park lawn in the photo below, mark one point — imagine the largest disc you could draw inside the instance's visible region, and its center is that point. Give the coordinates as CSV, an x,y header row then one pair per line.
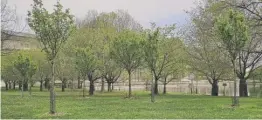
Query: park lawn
x,y
71,105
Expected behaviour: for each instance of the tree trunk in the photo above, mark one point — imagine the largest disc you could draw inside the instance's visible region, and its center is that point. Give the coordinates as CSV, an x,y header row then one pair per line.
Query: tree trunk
x,y
196,86
78,82
147,83
41,85
235,100
103,85
254,85
25,86
20,85
46,83
112,87
30,90
129,84
164,91
6,86
52,91
152,91
243,88
81,84
10,85
63,86
91,87
214,91
224,91
83,87
14,85
109,87
156,87
192,86
22,88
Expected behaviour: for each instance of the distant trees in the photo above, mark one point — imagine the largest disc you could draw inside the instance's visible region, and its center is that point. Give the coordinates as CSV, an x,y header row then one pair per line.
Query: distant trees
x,y
65,70
43,69
26,68
9,74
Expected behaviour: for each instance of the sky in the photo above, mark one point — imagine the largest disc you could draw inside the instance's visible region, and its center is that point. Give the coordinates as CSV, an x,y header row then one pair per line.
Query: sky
x,y
163,12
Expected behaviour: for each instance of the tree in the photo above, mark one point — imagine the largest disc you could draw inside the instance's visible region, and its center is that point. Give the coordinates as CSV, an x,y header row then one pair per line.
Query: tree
x,y
8,72
52,30
65,69
88,65
111,74
250,55
253,7
9,75
88,53
234,35
108,25
206,57
126,51
176,66
26,68
157,56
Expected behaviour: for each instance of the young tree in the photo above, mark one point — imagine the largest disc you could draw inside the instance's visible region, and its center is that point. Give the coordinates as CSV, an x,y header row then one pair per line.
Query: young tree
x,y
234,35
126,51
157,55
52,30
26,68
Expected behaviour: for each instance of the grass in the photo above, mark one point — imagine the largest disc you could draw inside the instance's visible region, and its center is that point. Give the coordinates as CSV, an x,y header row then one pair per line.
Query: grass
x,y
70,105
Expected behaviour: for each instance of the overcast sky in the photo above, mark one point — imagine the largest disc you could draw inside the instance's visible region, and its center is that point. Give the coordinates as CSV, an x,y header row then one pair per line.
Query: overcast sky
x,y
144,11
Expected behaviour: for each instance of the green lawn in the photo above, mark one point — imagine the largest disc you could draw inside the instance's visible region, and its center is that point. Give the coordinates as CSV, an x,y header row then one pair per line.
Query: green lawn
x,y
70,105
